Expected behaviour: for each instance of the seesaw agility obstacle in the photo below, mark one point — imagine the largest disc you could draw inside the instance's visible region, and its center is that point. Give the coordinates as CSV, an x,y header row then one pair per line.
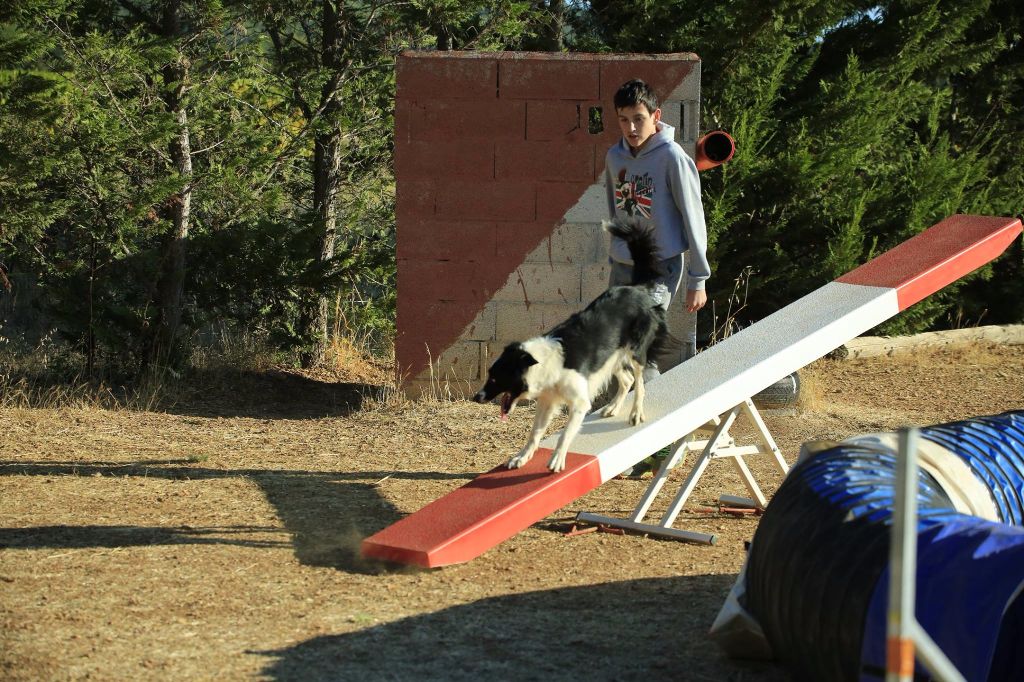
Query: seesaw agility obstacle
x,y
714,385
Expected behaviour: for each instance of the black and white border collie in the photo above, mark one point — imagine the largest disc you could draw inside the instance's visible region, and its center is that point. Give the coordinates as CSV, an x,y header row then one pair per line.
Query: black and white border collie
x,y
571,364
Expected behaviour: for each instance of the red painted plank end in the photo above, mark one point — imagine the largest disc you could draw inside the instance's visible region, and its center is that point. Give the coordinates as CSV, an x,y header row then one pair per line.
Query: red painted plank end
x,y
936,257
490,509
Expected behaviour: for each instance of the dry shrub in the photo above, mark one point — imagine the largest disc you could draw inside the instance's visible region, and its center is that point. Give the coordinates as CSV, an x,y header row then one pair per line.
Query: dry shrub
x,y
51,376
729,324
234,351
357,355
48,375
22,392
811,389
444,386
347,358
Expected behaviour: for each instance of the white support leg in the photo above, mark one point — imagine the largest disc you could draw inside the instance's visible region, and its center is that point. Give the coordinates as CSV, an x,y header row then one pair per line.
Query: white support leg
x,y
767,446
679,449
748,480
702,462
766,437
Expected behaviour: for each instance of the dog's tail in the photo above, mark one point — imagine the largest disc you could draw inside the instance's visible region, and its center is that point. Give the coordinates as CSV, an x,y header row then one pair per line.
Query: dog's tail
x,y
642,248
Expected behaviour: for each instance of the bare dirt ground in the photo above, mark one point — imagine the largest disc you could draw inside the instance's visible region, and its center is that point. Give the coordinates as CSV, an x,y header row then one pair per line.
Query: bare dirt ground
x,y
219,539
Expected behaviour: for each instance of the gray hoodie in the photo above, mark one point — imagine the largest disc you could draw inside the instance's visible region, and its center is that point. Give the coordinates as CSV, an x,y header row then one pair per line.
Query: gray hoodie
x,y
660,184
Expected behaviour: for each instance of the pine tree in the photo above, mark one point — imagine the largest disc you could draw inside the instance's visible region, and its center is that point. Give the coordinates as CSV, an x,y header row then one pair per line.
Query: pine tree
x,y
123,132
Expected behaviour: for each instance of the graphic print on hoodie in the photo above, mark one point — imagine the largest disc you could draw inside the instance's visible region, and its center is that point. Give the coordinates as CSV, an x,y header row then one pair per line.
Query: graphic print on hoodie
x,y
634,195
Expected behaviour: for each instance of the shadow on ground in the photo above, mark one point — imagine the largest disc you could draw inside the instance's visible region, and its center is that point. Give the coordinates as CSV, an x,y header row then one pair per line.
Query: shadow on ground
x,y
325,514
631,630
84,537
273,395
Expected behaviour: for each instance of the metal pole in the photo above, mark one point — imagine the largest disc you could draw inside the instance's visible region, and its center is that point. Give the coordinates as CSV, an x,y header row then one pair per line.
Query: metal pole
x,y
903,632
903,563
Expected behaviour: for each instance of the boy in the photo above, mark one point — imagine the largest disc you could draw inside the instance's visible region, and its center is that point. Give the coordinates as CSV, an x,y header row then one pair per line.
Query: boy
x,y
649,176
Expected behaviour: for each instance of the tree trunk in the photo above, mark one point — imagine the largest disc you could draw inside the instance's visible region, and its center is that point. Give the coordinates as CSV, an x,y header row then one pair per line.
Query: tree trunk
x,y
550,32
171,284
326,173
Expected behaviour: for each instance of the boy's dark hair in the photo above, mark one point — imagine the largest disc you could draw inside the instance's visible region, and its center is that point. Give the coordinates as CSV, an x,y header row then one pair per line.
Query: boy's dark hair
x,y
636,92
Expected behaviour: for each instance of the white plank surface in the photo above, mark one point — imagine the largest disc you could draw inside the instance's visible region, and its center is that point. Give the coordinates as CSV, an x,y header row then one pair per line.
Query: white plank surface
x,y
732,370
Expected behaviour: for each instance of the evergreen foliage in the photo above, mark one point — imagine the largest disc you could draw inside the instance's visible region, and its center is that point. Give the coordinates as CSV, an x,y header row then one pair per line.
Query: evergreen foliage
x,y
858,124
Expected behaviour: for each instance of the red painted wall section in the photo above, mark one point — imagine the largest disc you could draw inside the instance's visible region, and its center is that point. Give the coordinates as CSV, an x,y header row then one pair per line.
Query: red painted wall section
x,y
491,151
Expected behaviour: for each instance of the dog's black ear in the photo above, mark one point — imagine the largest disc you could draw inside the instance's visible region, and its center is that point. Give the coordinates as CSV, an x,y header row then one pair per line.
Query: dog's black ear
x,y
526,360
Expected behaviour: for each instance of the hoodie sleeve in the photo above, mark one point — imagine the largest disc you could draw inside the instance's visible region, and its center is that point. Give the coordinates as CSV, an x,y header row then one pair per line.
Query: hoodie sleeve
x,y
685,185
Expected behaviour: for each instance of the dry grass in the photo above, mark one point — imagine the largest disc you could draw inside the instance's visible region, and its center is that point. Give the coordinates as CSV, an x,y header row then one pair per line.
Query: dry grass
x,y
49,377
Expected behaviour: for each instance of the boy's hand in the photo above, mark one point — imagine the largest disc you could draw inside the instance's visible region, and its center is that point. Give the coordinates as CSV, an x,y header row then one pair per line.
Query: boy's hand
x,y
695,300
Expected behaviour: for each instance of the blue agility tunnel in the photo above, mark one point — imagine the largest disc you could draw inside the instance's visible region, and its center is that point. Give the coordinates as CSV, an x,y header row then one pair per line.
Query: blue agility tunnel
x,y
813,593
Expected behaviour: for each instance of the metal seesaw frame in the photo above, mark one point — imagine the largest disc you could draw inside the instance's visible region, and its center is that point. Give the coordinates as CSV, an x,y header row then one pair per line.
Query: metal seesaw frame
x,y
719,445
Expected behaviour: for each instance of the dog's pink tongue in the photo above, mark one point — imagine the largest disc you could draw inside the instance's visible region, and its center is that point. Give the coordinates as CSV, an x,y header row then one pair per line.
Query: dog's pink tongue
x,y
504,416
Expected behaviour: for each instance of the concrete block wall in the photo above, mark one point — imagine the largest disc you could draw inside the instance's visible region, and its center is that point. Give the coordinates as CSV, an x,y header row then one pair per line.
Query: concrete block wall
x,y
500,196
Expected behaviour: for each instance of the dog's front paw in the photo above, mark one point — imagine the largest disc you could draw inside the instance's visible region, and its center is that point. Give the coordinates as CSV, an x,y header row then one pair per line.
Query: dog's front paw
x,y
610,410
637,417
520,460
557,462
